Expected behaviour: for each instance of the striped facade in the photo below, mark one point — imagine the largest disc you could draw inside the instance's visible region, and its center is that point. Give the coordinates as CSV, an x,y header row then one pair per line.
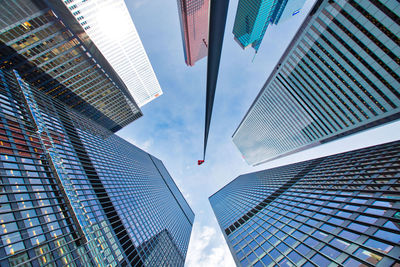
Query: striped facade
x,y
43,41
340,210
337,77
109,25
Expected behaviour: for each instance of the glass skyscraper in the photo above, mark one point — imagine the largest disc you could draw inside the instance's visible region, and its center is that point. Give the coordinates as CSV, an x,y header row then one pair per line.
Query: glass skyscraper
x,y
49,48
72,192
254,16
338,76
193,16
110,27
340,210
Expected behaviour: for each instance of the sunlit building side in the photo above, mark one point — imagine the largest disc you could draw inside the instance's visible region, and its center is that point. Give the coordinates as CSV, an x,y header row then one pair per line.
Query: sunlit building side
x,y
109,25
338,76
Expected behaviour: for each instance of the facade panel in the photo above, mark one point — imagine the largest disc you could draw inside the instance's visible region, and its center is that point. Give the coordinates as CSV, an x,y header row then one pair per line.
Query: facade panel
x,y
340,210
194,16
337,77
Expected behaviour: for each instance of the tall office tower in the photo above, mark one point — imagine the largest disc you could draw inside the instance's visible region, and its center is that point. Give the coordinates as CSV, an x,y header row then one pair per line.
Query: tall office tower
x,y
338,76
340,210
73,193
110,27
193,16
254,16
43,41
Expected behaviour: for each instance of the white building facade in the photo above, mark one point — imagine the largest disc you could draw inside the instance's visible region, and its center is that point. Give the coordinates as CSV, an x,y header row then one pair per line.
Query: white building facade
x,y
110,26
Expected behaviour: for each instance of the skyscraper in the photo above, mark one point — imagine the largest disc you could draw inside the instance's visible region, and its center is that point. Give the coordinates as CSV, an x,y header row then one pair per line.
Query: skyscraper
x,y
254,16
338,76
193,16
72,192
110,27
340,210
48,47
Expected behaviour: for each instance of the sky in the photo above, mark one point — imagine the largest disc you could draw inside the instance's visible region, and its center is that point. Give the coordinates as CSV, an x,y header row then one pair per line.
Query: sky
x,y
172,127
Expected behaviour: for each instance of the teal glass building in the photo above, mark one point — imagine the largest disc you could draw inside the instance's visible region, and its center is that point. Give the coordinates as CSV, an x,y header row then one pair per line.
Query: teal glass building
x,y
338,76
254,16
340,210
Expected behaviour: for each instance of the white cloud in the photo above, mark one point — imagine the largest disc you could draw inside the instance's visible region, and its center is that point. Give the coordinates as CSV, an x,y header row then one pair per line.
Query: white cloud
x,y
206,249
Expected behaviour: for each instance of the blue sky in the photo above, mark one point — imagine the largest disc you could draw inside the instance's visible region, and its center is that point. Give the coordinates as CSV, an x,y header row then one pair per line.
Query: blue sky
x,y
172,127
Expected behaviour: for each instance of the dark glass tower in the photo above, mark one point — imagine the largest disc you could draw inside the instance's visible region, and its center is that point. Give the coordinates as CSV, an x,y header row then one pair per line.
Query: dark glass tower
x,y
340,210
43,41
72,192
338,76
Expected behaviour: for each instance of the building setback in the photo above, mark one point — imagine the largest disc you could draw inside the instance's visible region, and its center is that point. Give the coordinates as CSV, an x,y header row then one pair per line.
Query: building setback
x,y
340,210
110,27
193,16
338,76
49,48
72,192
254,16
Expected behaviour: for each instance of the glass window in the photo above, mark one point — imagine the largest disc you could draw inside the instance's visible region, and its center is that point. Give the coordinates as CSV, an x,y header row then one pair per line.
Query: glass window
x,y
350,262
327,227
303,249
320,235
351,207
320,260
367,219
294,256
285,262
383,203
266,260
290,241
335,221
358,227
274,254
311,242
390,225
282,247
367,255
251,257
382,247
349,235
331,252
339,243
244,262
375,211
393,237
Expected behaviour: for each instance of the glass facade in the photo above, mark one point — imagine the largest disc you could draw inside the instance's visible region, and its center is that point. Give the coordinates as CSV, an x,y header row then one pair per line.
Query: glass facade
x,y
254,16
340,210
337,77
81,195
49,48
110,27
193,16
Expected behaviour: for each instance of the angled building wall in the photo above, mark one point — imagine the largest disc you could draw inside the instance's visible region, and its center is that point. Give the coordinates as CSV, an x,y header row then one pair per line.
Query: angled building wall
x,y
337,77
340,210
